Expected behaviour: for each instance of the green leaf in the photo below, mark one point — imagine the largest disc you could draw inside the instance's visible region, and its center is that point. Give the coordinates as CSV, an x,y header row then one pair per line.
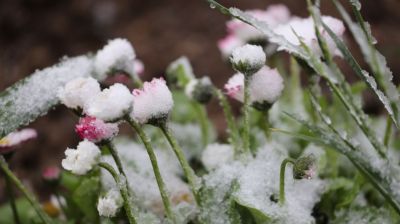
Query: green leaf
x,y
33,96
25,211
86,195
250,214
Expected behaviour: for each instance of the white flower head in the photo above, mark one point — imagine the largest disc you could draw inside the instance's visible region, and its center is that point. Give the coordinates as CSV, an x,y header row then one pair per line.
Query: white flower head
x,y
82,159
216,154
304,28
152,102
111,104
109,205
117,55
78,92
265,88
248,59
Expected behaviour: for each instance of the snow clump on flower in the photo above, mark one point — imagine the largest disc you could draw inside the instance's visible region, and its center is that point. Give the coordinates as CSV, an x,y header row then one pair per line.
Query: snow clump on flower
x,y
109,205
82,159
111,104
78,92
117,55
248,59
153,101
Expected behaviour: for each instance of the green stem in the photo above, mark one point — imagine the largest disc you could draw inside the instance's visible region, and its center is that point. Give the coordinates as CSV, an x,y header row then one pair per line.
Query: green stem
x,y
246,111
10,193
156,169
282,179
388,132
187,170
203,121
234,136
117,159
31,198
123,190
264,124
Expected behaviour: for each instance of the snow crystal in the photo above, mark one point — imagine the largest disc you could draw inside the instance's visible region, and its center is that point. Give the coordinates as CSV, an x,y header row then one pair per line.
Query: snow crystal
x,y
111,104
117,55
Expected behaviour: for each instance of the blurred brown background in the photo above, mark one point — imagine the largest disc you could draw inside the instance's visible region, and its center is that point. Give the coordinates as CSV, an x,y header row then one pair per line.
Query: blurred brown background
x,y
35,33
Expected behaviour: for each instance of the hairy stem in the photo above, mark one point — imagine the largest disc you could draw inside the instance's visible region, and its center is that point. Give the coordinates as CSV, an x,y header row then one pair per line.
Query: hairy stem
x,y
31,198
153,159
123,190
203,121
187,170
246,111
282,180
10,194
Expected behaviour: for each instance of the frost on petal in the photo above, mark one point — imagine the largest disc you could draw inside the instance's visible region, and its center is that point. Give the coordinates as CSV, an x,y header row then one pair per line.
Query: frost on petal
x,y
153,101
216,154
111,104
82,159
234,87
16,138
304,28
117,55
248,59
95,130
78,92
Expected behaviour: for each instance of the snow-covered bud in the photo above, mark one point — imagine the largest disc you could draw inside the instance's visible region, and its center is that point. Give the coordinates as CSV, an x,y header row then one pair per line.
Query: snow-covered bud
x,y
111,104
216,154
138,67
248,59
304,28
304,167
266,87
109,205
180,72
200,90
153,103
78,92
16,138
95,130
117,56
228,44
82,159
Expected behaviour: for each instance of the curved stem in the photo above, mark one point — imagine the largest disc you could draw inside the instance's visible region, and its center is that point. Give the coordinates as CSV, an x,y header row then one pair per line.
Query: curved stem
x,y
282,180
246,111
203,121
234,136
117,159
12,200
156,169
123,190
187,170
31,198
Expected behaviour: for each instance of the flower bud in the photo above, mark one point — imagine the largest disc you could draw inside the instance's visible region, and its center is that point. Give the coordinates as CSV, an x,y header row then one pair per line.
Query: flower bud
x,y
200,90
304,167
51,174
180,72
95,130
78,92
82,159
109,205
248,59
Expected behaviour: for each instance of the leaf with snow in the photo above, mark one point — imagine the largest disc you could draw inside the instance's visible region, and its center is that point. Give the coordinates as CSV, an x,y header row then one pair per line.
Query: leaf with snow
x,y
33,96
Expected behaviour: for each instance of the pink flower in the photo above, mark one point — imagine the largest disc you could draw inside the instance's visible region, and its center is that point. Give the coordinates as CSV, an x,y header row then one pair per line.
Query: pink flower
x,y
153,101
51,173
138,66
234,87
95,130
16,138
228,43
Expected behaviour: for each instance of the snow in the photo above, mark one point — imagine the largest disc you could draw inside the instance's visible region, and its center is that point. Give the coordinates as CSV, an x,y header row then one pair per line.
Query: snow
x,y
248,59
109,205
79,92
82,159
217,154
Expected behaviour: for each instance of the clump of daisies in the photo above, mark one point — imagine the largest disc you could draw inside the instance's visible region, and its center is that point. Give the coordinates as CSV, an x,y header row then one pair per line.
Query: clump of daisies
x,y
149,152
